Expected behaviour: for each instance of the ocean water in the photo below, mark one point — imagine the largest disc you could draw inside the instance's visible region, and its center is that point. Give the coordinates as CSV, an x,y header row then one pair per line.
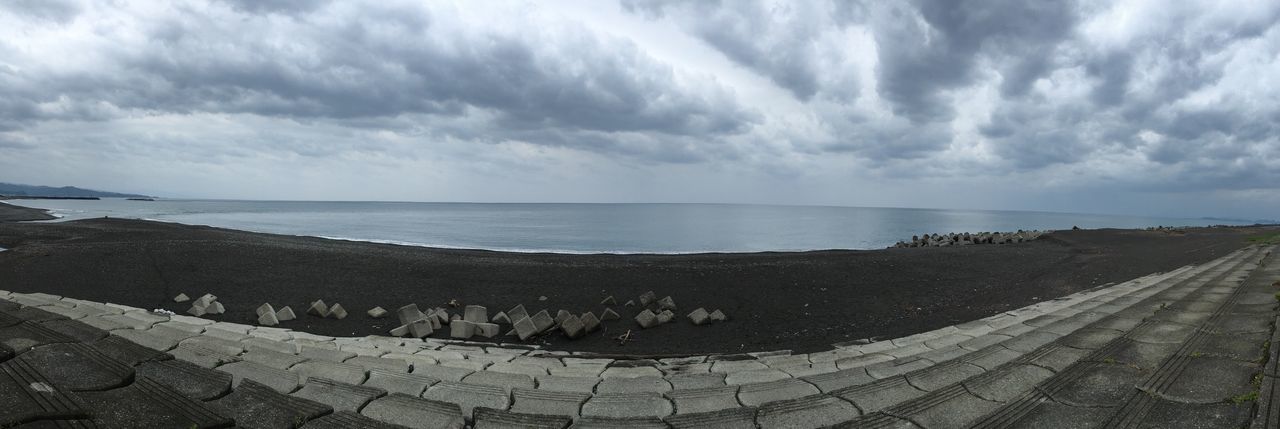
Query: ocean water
x,y
593,228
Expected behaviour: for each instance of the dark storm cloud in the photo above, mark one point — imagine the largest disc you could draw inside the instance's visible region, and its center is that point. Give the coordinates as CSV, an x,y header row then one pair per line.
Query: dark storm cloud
x,y
920,59
382,62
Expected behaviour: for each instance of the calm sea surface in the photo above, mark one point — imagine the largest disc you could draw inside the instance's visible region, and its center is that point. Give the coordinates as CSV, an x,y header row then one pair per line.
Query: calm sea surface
x,y
593,228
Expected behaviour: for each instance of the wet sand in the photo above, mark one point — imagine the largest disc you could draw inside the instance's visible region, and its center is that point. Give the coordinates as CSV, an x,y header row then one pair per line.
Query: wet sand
x,y
803,301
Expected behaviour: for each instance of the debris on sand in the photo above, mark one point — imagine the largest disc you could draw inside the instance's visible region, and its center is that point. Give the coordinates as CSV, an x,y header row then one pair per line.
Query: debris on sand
x,y
182,297
609,301
377,313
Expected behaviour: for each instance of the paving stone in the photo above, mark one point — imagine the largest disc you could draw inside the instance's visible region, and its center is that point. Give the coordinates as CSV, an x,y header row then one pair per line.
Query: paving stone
x,y
880,394
25,395
625,405
256,343
808,370
75,330
541,401
77,367
226,347
24,336
516,368
1210,379
631,372
761,393
499,379
442,372
861,361
280,380
897,367
807,412
340,396
634,385
1029,341
1162,333
272,358
704,400
383,362
733,366
942,375
991,357
1169,414
1100,385
255,405
1007,383
488,418
729,418
396,382
190,380
201,356
836,380
127,352
697,381
618,423
567,384
147,403
341,372
335,356
469,396
1055,357
1141,355
952,407
347,420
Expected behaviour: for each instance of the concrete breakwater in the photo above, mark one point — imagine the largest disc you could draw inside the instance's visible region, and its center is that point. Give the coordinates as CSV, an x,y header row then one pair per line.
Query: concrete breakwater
x,y
964,239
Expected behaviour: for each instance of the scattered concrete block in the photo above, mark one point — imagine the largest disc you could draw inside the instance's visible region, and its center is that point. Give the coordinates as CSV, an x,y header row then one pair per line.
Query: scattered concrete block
x,y
285,314
561,315
609,314
337,312
666,303
512,332
462,329
377,313
718,316
666,316
542,321
264,308
409,314
318,309
442,315
525,328
421,329
268,319
215,308
454,318
572,327
206,300
196,311
399,331
487,330
516,313
182,297
500,318
475,314
630,303
589,322
647,319
542,298
648,297
700,316
609,301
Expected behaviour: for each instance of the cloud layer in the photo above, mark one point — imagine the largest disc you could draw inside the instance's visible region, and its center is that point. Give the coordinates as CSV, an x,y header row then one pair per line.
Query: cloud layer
x,y
855,103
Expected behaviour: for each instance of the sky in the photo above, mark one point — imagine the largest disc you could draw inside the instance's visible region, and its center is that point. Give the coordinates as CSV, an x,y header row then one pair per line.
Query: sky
x,y
1126,107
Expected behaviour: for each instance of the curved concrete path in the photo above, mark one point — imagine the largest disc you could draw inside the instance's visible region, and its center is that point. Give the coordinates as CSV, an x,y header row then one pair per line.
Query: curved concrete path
x,y
1185,348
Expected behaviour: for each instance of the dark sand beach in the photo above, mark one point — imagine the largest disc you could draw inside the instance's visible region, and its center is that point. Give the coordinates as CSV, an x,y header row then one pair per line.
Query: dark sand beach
x,y
801,301
12,213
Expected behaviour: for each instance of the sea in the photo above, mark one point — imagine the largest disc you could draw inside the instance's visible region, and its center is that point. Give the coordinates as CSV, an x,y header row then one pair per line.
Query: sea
x,y
595,228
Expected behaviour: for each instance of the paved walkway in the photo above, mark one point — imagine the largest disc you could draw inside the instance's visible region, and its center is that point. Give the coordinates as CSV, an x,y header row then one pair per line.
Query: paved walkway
x,y
1187,348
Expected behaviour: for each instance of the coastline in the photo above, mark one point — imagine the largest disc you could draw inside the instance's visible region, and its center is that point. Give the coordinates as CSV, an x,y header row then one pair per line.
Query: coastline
x,y
801,301
12,213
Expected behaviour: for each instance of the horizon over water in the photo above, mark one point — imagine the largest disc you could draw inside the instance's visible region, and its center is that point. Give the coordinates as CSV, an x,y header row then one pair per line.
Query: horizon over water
x,y
596,227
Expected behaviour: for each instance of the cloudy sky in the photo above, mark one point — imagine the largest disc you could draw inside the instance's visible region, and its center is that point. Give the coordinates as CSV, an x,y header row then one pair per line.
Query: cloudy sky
x,y
1142,107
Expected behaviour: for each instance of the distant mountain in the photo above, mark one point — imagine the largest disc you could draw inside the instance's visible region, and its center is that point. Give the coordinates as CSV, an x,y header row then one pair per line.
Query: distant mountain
x,y
16,190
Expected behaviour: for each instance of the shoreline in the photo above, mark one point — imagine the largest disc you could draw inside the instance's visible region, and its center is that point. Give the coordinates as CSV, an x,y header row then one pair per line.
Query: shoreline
x,y
801,301
13,213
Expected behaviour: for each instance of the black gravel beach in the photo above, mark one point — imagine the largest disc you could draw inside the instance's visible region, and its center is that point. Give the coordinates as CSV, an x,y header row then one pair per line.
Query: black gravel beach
x,y
12,213
801,301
